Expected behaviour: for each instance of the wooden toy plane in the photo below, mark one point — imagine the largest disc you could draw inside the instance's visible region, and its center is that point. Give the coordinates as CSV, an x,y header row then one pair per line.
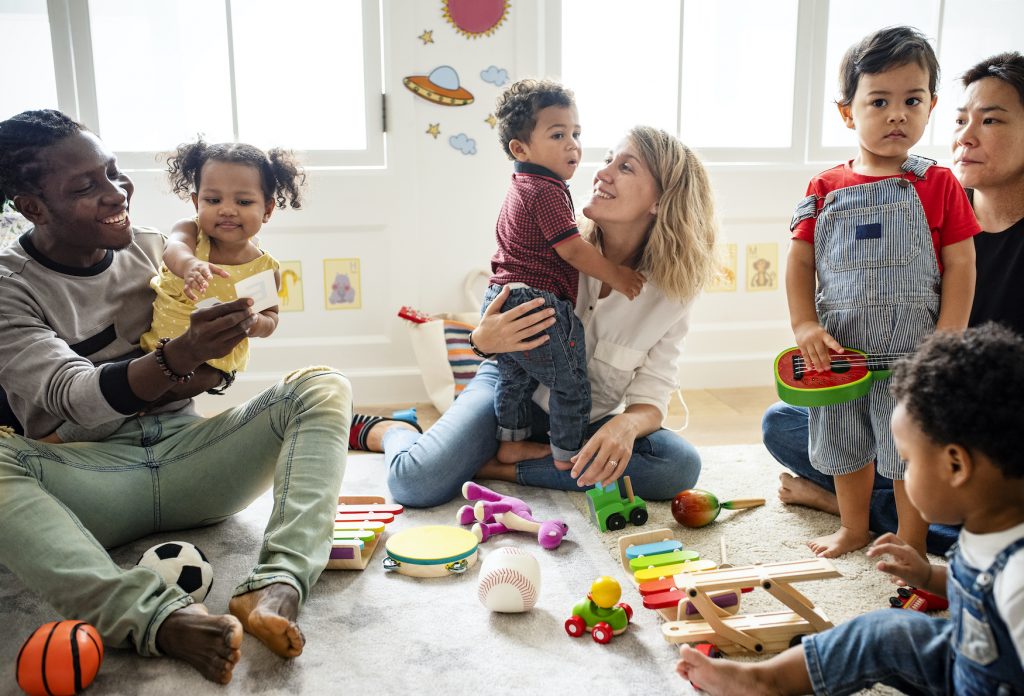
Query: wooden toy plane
x,y
358,526
692,601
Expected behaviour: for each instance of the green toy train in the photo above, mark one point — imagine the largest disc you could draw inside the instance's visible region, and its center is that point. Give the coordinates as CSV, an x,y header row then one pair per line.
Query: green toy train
x,y
610,510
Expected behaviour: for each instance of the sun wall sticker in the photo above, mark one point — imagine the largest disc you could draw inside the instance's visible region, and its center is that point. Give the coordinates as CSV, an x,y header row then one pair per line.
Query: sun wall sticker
x,y
475,18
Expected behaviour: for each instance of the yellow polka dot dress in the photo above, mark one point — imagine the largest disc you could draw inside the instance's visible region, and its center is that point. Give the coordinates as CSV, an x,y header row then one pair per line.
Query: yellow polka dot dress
x,y
171,309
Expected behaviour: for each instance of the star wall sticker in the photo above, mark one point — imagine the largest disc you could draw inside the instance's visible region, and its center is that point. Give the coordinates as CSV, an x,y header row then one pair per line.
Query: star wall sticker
x,y
433,129
427,37
491,120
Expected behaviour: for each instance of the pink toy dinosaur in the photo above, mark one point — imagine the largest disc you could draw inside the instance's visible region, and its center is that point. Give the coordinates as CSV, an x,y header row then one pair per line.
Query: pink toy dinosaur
x,y
495,513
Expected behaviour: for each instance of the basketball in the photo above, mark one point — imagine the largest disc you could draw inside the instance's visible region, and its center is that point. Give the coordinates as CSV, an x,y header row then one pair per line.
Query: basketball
x,y
60,659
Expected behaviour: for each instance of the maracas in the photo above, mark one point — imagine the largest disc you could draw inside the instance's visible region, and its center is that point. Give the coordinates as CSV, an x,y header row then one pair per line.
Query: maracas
x,y
695,507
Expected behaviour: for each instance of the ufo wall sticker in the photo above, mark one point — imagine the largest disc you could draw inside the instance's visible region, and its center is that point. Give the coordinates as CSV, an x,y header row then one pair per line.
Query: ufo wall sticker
x,y
441,86
475,18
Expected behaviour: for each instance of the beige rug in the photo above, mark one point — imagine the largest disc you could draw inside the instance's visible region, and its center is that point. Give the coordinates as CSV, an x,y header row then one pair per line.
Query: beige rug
x,y
375,631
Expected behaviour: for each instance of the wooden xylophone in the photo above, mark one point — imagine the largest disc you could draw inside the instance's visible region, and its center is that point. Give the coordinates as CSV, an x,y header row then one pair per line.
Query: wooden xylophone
x,y
358,526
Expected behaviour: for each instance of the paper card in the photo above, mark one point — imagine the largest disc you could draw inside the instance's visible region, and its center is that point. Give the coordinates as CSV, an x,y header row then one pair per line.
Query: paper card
x,y
262,288
762,267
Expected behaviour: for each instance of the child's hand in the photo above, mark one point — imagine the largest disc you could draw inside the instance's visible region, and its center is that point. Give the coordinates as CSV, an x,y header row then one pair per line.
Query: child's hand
x,y
197,278
629,282
905,563
814,343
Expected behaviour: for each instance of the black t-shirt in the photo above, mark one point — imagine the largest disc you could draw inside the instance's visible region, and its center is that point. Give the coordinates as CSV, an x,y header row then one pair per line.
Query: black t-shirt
x,y
999,292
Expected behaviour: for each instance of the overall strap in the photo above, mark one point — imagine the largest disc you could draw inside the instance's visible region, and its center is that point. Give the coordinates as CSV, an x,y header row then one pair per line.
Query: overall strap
x,y
917,165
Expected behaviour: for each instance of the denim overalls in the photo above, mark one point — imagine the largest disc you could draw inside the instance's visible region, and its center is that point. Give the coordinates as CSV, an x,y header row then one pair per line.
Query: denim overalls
x,y
969,654
985,660
878,291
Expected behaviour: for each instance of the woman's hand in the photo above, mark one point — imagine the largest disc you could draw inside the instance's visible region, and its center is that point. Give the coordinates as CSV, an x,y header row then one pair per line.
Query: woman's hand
x,y
905,563
605,455
514,330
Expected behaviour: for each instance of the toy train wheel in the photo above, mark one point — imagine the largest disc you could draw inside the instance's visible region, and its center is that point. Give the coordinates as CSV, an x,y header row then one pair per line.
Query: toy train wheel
x,y
575,626
626,608
638,517
615,522
602,633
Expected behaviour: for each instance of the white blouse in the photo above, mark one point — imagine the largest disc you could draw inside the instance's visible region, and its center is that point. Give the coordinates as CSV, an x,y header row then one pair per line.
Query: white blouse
x,y
633,347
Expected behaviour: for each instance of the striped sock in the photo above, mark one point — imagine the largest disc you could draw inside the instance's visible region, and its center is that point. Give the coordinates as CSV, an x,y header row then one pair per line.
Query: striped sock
x,y
361,426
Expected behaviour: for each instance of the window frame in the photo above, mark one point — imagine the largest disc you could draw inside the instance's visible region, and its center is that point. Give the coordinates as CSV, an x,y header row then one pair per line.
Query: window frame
x,y
71,43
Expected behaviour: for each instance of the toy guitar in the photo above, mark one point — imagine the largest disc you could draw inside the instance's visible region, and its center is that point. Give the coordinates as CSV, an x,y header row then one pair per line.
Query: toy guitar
x,y
852,373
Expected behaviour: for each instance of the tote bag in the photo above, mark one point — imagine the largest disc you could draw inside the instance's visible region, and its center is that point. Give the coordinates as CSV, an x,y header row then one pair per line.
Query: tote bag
x,y
441,346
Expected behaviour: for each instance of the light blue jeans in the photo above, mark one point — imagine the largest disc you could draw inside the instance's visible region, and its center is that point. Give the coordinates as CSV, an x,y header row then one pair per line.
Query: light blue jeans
x,y
62,505
784,429
429,469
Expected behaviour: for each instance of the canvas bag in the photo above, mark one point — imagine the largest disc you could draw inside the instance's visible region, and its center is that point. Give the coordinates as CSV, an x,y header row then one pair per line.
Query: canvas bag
x,y
441,346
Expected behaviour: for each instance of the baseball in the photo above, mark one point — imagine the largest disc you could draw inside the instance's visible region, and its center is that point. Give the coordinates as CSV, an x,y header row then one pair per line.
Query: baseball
x,y
509,580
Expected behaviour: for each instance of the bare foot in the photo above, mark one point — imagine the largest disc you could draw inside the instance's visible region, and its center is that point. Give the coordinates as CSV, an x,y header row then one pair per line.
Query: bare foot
x,y
794,490
208,643
717,676
521,451
843,540
269,613
496,471
375,435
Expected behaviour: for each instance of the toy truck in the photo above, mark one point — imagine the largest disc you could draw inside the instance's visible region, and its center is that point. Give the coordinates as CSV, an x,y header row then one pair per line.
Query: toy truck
x,y
609,510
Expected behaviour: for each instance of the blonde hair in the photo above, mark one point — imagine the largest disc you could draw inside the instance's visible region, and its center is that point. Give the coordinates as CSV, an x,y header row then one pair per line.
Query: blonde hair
x,y
679,255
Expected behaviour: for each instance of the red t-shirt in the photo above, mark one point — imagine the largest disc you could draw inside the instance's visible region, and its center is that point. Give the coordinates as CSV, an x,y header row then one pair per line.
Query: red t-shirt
x,y
536,217
949,213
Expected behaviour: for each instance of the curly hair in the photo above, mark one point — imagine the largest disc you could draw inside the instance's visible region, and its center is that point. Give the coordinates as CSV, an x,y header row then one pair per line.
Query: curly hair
x,y
518,106
22,137
888,48
679,255
280,175
1008,67
968,389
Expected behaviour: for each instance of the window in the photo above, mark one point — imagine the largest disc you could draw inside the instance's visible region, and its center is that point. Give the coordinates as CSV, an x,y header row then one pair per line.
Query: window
x,y
26,43
149,74
752,80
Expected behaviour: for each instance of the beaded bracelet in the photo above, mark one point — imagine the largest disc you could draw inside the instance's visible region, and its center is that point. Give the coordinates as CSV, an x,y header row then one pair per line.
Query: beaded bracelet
x,y
476,350
162,362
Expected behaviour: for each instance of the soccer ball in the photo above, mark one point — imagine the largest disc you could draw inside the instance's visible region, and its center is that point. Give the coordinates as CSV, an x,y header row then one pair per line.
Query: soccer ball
x,y
182,564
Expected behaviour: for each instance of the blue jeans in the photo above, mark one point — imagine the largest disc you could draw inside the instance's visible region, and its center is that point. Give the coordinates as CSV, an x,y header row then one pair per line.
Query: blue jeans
x,y
907,650
429,469
785,432
560,364
62,505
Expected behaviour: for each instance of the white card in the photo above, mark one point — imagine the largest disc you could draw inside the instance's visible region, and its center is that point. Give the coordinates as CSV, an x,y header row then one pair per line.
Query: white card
x,y
262,288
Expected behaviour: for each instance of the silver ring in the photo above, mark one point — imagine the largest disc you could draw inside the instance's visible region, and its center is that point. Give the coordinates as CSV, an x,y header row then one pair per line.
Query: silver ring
x,y
613,462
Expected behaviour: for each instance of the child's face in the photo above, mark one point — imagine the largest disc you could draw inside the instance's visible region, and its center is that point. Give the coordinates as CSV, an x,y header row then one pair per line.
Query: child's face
x,y
230,201
927,475
890,111
554,142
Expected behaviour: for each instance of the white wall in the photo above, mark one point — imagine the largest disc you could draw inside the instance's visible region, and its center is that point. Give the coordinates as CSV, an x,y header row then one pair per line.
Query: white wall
x,y
420,224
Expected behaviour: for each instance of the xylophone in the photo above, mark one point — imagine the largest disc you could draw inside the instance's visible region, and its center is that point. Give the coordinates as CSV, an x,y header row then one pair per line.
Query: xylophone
x,y
358,526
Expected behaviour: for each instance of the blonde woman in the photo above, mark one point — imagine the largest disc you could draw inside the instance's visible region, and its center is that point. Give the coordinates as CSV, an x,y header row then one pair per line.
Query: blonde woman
x,y
651,209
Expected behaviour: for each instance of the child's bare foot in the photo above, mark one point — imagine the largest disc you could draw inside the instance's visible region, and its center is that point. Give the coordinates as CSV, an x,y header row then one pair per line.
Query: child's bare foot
x,y
718,676
842,541
269,613
208,643
794,490
521,451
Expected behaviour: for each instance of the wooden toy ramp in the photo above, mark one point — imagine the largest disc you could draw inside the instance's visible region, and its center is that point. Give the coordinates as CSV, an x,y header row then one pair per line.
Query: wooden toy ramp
x,y
358,526
752,633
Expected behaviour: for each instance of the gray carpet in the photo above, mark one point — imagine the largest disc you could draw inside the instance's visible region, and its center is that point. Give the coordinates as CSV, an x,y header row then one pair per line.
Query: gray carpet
x,y
371,630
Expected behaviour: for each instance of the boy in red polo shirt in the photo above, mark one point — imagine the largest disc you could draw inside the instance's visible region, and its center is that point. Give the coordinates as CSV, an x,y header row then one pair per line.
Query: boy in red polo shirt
x,y
541,254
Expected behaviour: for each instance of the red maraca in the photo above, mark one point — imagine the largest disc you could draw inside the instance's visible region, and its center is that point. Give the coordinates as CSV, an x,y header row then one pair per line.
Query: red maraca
x,y
695,507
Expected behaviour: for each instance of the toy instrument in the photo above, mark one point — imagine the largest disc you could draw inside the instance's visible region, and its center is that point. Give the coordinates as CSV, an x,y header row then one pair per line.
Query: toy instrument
x,y
358,526
849,378
431,552
696,508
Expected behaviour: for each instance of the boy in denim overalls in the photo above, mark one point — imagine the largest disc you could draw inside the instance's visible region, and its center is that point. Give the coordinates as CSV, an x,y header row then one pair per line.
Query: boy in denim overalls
x,y
541,254
957,423
889,237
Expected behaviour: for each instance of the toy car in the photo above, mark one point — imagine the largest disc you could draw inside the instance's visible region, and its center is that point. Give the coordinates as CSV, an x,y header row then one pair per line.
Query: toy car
x,y
609,509
600,613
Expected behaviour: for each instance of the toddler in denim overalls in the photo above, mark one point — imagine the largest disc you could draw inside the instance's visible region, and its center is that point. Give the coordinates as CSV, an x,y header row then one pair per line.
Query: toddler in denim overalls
x,y
887,236
956,423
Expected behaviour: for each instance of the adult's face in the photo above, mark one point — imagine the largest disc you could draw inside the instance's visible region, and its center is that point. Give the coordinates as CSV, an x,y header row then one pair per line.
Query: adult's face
x,y
83,209
988,143
625,191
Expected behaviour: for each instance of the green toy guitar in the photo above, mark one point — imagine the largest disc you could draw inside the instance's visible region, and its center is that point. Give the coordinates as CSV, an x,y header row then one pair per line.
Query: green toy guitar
x,y
852,373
